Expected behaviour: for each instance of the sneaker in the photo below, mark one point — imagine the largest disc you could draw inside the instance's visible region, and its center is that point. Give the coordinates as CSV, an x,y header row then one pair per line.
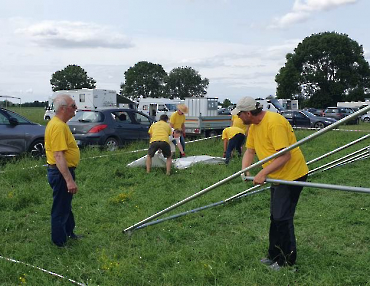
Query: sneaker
x,y
267,261
75,236
275,266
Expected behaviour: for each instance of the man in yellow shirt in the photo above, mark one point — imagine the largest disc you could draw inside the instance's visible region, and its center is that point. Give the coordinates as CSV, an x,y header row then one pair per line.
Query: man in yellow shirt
x,y
62,156
159,139
269,133
177,121
233,139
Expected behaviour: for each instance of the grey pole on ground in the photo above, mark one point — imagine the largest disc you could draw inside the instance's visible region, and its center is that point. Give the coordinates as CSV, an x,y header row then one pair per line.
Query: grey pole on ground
x,y
259,163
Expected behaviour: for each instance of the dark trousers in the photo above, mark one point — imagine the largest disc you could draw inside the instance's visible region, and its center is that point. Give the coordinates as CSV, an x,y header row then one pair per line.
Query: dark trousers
x,y
234,143
282,242
62,220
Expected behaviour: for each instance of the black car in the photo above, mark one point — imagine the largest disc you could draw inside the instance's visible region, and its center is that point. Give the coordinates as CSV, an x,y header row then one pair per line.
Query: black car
x,y
303,118
19,135
339,113
315,111
110,128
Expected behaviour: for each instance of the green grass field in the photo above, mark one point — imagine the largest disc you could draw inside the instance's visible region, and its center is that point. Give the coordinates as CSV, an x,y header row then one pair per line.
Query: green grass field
x,y
217,246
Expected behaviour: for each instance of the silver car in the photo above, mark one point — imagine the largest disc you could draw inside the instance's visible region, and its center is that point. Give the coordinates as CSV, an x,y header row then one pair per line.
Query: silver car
x,y
19,135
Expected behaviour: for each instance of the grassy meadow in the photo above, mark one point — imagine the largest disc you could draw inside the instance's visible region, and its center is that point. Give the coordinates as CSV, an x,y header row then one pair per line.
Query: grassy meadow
x,y
218,246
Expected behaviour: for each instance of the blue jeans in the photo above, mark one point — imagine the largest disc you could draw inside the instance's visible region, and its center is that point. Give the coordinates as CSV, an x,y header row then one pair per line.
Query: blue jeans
x,y
234,143
182,142
62,220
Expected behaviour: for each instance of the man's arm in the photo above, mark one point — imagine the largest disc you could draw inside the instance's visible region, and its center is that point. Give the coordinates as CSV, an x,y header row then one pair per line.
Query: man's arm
x,y
248,158
63,169
180,147
226,141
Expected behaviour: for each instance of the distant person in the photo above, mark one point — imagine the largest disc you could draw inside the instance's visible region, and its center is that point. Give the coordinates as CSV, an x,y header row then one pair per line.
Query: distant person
x,y
269,133
233,140
62,156
177,121
237,122
159,139
175,141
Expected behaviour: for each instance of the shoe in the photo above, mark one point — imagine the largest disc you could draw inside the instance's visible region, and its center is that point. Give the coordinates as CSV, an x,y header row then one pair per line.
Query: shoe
x,y
275,266
267,261
75,236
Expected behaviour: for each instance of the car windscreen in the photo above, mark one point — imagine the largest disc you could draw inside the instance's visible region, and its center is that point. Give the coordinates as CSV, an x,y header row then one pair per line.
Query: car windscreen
x,y
87,116
21,120
309,114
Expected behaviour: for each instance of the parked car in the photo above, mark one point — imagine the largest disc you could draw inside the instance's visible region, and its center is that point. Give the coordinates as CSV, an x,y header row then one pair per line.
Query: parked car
x,y
339,113
223,111
110,128
365,117
315,111
303,118
19,135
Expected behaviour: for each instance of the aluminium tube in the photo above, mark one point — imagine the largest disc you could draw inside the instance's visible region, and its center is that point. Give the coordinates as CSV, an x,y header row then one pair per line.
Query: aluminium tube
x,y
240,195
199,209
259,163
365,149
338,149
316,185
348,161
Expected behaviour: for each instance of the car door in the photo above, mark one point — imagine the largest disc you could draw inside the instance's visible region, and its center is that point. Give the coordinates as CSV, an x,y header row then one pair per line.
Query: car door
x,y
12,139
289,116
142,123
125,127
301,120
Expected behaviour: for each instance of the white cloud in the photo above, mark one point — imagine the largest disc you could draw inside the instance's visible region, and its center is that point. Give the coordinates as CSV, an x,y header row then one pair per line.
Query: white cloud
x,y
302,10
66,34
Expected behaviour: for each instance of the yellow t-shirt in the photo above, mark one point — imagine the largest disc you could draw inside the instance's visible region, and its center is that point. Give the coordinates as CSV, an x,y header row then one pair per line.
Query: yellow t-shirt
x,y
177,120
273,133
160,131
58,137
237,122
231,131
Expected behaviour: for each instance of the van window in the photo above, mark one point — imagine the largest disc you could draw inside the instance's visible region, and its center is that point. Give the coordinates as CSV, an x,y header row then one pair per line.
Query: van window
x,y
82,97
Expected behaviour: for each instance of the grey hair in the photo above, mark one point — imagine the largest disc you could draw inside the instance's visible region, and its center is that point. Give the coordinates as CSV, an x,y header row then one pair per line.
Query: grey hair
x,y
60,100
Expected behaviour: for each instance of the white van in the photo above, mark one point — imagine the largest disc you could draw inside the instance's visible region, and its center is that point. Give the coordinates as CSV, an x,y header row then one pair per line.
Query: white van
x,y
155,107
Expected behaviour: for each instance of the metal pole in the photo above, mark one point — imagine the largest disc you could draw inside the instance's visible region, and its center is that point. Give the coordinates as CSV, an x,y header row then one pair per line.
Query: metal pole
x,y
259,163
350,160
316,185
364,150
240,195
338,149
198,209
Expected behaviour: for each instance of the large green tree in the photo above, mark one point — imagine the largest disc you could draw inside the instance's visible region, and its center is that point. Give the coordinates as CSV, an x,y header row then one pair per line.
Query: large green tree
x,y
71,77
325,68
144,79
186,82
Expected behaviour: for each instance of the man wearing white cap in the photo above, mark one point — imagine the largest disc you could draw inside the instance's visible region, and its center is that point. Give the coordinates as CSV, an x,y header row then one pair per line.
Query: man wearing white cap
x,y
270,132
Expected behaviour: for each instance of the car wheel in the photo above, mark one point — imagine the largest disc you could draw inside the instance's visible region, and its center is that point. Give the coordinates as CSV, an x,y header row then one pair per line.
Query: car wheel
x,y
366,119
212,133
111,144
37,149
319,125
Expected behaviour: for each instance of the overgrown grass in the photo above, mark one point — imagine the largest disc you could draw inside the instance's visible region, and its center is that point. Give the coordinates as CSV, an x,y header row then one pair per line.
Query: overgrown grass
x,y
217,246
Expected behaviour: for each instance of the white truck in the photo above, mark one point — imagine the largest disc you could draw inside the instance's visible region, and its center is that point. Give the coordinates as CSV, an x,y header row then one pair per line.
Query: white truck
x,y
155,107
85,99
202,119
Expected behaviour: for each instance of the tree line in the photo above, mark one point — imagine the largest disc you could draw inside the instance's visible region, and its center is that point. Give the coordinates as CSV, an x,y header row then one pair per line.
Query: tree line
x,y
323,69
144,79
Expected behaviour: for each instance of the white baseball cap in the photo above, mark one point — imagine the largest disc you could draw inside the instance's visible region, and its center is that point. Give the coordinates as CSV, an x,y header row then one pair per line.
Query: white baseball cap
x,y
246,104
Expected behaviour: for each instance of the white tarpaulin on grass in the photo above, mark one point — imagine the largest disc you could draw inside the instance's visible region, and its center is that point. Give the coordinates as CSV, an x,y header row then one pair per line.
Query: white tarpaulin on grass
x,y
181,163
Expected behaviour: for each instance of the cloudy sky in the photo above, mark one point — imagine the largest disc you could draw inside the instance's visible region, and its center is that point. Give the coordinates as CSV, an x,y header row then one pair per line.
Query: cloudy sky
x,y
239,45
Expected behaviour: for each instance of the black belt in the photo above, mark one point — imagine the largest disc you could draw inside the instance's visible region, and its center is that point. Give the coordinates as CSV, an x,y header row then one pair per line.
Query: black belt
x,y
54,166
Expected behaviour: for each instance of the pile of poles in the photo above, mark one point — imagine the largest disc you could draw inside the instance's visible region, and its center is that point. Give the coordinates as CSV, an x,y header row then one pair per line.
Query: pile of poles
x,y
360,154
